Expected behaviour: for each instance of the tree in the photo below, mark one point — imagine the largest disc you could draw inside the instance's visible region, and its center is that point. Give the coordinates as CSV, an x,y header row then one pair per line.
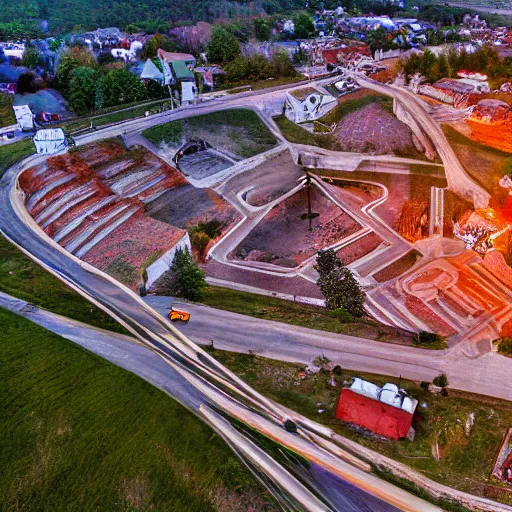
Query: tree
x,y
158,41
32,58
26,83
189,278
338,284
223,46
304,26
82,89
120,86
70,60
262,29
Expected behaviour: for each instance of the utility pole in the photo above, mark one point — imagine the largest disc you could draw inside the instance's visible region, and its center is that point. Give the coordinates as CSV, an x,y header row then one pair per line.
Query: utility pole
x,y
310,215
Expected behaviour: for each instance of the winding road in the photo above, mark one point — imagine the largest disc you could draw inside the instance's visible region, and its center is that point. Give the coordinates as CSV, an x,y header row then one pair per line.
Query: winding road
x,y
333,480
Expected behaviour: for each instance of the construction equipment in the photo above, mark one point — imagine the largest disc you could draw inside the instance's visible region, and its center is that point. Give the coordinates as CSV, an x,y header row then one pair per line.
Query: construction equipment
x,y
176,315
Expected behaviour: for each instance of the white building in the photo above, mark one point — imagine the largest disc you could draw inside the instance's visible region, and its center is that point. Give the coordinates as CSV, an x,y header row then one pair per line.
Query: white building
x,y
308,104
50,141
24,117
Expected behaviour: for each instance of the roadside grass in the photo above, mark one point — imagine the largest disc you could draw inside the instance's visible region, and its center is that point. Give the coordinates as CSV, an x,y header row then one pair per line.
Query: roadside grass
x,y
356,101
115,117
466,460
12,153
238,131
79,433
312,317
232,87
7,117
295,134
24,279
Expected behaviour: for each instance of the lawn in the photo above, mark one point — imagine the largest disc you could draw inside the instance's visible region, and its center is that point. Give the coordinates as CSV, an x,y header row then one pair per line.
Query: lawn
x,y
238,132
313,317
22,278
356,101
466,459
81,434
298,135
12,153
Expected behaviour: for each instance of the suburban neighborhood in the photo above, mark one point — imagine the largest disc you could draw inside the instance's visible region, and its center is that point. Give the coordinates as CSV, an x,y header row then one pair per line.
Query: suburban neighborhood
x,y
256,256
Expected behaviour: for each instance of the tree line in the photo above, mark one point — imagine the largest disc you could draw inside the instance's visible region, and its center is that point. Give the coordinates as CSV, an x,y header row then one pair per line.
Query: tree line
x,y
485,60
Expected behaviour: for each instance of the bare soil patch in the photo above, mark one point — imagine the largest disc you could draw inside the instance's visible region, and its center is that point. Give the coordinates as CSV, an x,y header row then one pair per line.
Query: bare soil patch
x,y
186,206
398,267
359,248
274,178
372,129
282,237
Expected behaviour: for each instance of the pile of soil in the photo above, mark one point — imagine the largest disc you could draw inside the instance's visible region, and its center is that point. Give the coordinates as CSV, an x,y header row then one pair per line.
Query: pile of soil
x,y
372,129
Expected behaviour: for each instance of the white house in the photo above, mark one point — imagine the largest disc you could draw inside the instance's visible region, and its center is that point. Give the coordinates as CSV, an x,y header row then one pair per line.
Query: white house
x,y
308,104
24,117
50,141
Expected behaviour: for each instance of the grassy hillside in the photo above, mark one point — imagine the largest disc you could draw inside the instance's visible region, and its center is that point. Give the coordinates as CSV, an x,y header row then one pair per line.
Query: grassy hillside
x,y
79,433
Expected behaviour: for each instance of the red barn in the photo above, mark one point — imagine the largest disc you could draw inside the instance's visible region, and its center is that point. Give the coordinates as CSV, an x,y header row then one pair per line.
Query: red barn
x,y
374,415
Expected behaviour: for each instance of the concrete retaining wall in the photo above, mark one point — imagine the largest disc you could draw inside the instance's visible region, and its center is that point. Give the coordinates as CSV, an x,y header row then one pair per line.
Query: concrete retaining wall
x,y
162,264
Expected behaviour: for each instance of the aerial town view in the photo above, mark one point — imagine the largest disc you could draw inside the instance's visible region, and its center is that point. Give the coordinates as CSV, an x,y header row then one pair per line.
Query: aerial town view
x,y
256,256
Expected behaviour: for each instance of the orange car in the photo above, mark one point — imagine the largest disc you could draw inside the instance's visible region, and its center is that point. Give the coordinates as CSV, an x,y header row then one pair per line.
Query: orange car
x,y
175,315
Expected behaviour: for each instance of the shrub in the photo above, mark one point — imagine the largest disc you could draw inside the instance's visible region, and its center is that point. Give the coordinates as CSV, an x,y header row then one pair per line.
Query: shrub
x,y
441,381
505,346
199,240
424,384
429,338
343,315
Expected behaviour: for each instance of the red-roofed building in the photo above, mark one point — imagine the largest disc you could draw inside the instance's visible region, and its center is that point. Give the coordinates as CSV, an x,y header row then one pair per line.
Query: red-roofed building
x,y
374,415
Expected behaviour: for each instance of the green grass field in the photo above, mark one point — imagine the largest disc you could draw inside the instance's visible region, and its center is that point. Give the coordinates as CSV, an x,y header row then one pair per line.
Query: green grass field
x,y
22,278
298,135
12,153
7,116
80,434
465,459
240,132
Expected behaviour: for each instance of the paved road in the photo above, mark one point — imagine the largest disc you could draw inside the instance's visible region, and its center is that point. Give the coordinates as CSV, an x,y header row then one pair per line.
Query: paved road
x,y
219,388
487,375
458,179
202,375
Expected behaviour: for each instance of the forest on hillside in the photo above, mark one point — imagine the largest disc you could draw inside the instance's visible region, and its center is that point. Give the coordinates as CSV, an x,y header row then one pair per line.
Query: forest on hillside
x,y
66,15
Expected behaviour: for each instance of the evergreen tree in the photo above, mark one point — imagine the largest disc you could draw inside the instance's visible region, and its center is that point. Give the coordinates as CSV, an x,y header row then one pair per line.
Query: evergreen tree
x,y
338,284
189,278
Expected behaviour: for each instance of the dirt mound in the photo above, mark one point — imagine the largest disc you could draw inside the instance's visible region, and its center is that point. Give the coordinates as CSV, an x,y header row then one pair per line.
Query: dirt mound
x,y
372,129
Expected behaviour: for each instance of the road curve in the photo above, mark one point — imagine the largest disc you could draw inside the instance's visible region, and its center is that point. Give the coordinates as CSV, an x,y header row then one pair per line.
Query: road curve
x,y
225,398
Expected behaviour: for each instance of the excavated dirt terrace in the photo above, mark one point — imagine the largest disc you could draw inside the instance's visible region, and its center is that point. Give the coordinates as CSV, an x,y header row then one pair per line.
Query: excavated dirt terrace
x,y
282,237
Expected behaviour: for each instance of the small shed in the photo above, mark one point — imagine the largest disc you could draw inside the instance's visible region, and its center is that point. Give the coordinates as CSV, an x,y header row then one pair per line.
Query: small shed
x,y
50,141
24,117
385,411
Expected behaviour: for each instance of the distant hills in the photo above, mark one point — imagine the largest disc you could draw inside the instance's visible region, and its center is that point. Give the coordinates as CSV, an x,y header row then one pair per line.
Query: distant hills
x,y
64,15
